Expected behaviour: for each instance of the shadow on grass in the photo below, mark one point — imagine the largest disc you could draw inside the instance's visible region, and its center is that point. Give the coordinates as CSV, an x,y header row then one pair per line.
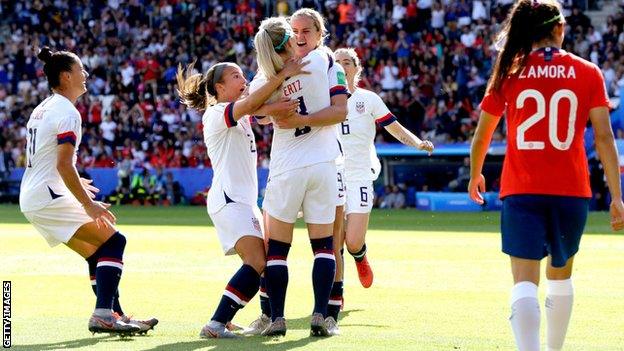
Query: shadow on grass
x,y
257,342
73,344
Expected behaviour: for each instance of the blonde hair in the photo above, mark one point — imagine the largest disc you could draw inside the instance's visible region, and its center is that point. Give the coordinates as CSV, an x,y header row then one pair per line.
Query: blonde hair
x,y
198,90
272,36
318,21
356,61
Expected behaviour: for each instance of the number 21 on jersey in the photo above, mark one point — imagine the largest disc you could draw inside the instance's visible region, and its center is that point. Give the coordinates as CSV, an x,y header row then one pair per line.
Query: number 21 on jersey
x,y
32,140
553,119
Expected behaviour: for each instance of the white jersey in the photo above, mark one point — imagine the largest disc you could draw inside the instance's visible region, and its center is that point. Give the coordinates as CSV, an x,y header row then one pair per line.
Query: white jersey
x,y
358,134
232,150
337,86
301,147
53,122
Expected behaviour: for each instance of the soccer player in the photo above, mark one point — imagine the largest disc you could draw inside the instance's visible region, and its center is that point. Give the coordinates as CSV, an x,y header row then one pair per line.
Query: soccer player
x,y
302,173
309,32
232,200
366,111
548,95
59,204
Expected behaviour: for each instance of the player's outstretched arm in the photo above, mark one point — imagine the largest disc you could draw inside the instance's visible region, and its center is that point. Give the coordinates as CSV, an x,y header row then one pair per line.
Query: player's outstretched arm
x,y
605,146
256,99
333,114
478,150
408,138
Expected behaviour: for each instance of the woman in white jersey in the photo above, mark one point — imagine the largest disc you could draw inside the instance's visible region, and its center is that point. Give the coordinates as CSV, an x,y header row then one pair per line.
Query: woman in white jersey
x,y
366,110
309,32
232,200
302,174
59,204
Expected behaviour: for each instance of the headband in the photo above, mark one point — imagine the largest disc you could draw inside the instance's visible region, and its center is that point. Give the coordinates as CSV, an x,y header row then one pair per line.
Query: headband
x,y
281,45
554,19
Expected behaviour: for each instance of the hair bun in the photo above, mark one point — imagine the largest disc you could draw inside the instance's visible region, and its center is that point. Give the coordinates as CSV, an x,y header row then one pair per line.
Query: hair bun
x,y
45,54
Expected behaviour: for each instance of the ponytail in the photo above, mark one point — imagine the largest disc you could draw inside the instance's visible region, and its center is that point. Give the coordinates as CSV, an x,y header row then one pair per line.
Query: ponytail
x,y
528,22
198,90
271,39
56,62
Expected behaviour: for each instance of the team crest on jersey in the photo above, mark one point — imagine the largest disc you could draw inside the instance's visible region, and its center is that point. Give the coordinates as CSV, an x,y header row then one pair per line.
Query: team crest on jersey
x,y
256,224
359,106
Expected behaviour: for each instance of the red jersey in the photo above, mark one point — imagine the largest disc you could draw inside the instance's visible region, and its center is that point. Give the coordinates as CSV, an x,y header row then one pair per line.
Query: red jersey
x,y
547,107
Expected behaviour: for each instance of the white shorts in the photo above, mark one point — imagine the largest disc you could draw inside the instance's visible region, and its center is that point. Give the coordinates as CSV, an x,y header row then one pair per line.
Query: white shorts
x,y
234,221
360,196
311,189
59,220
342,187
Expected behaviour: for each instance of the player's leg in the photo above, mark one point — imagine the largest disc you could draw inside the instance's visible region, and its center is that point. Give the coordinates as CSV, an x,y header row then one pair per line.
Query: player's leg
x,y
336,295
319,212
360,196
240,289
109,245
355,240
559,300
92,260
262,322
283,198
525,309
276,272
566,225
524,222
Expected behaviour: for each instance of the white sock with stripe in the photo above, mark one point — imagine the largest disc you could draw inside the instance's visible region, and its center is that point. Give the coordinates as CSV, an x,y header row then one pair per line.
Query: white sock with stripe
x,y
559,300
525,316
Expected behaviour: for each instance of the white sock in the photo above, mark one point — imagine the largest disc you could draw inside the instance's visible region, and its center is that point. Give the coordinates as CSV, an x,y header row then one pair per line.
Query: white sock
x,y
559,298
525,316
102,312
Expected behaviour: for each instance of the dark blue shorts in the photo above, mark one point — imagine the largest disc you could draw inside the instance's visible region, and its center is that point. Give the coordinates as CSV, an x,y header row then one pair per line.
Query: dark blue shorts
x,y
535,226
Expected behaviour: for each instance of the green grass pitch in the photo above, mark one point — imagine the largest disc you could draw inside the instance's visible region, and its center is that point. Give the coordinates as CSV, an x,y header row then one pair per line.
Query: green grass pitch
x,y
441,283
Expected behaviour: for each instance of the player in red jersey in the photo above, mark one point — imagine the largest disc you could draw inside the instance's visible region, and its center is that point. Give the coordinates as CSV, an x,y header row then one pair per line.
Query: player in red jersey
x,y
548,96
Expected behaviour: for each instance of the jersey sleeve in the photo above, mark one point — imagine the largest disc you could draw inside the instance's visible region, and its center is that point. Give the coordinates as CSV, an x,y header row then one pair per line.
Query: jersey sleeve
x,y
599,96
380,112
337,80
319,62
219,118
68,130
254,86
493,103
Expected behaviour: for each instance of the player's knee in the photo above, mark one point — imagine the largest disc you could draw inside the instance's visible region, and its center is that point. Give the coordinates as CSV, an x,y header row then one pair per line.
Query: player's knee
x,y
259,265
353,245
258,262
113,247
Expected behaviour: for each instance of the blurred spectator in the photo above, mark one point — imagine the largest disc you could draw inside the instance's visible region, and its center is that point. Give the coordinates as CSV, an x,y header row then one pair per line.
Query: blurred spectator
x,y
393,198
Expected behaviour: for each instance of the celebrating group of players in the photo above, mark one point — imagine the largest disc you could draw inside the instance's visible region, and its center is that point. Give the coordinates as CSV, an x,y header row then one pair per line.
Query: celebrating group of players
x,y
323,163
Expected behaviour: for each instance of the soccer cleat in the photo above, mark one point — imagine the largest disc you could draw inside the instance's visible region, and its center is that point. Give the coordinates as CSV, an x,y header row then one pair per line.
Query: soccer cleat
x,y
216,330
318,326
365,273
332,326
231,326
258,326
145,325
276,328
112,325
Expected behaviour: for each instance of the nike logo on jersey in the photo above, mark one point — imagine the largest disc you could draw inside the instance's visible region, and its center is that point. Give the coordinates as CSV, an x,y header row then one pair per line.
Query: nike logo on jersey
x,y
53,194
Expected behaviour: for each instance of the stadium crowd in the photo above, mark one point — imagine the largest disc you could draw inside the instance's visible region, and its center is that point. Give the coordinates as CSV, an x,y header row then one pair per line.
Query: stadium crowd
x,y
429,60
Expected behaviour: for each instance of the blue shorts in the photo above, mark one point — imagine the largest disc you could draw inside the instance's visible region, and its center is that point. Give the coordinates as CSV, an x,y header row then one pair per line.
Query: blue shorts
x,y
535,226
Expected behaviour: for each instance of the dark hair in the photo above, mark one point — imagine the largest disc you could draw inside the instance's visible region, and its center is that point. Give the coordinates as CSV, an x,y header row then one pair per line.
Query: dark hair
x,y
56,62
198,90
528,22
